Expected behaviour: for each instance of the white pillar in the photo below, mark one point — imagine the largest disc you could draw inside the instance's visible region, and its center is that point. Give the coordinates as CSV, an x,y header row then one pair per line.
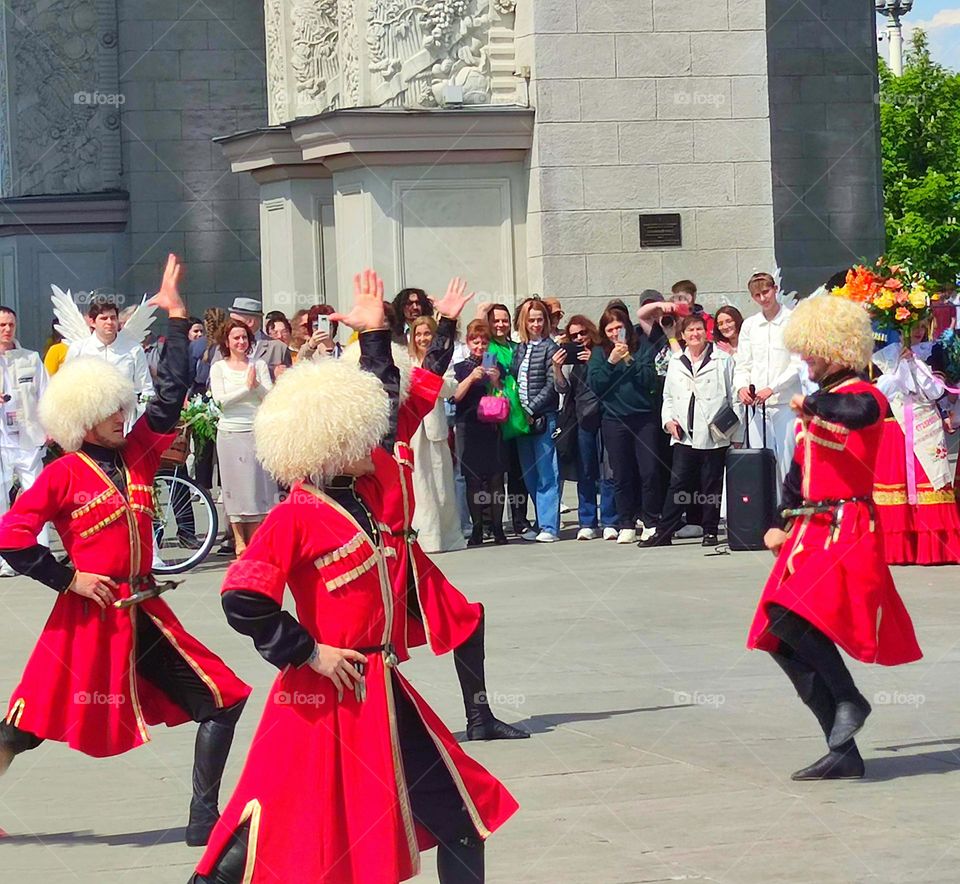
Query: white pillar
x,y
895,35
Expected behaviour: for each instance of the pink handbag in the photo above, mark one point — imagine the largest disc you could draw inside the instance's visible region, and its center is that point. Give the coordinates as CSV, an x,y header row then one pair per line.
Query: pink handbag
x,y
493,410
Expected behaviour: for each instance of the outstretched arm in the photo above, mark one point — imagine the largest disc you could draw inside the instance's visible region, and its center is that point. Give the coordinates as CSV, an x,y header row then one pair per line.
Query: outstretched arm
x,y
367,318
173,373
447,310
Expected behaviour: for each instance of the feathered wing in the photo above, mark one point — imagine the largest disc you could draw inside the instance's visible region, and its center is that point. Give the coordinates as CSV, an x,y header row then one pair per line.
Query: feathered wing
x,y
70,322
788,299
137,327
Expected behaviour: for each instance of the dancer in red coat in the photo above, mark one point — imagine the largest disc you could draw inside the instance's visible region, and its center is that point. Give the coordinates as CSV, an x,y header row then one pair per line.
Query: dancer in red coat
x,y
102,670
350,774
831,585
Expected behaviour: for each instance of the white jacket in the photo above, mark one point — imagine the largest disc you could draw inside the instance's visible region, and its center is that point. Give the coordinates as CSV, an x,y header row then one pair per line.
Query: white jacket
x,y
710,388
23,379
128,358
763,361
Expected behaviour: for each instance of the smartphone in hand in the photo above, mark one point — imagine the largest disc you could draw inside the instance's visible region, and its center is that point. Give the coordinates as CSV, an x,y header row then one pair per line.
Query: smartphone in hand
x,y
489,360
573,352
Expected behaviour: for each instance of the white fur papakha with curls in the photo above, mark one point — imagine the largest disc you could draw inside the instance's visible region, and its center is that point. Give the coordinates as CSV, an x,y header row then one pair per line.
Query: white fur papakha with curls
x,y
832,328
320,416
83,393
401,359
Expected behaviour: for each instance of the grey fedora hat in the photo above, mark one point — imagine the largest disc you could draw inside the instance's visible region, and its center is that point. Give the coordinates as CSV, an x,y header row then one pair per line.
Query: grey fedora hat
x,y
249,306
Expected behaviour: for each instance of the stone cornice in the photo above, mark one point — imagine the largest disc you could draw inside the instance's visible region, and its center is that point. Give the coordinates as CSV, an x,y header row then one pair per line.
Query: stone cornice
x,y
385,136
74,213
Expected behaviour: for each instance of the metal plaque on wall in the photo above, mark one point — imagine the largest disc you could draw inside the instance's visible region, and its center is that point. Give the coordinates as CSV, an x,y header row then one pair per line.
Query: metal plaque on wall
x,y
660,231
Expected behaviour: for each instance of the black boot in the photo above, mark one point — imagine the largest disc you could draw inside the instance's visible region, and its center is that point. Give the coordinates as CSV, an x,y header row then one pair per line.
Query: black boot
x,y
460,862
214,738
845,765
850,718
232,864
481,723
842,763
476,536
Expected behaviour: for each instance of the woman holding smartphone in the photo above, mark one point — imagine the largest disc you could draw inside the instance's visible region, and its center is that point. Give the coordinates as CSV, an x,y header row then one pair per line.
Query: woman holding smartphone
x,y
622,374
537,365
584,338
322,340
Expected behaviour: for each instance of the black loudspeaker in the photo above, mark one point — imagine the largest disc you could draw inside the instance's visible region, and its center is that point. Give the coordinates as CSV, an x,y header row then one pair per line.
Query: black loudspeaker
x,y
751,491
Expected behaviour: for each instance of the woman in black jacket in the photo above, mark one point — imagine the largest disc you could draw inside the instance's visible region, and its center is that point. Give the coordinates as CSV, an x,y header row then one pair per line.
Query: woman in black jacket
x,y
587,442
537,363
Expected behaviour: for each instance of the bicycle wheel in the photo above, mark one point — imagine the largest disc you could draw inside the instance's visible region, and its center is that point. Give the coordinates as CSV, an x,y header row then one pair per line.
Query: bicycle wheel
x,y
185,523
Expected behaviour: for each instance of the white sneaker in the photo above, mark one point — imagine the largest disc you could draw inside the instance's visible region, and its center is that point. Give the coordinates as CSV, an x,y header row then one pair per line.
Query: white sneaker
x,y
586,534
529,534
688,531
547,537
7,571
610,533
647,533
627,535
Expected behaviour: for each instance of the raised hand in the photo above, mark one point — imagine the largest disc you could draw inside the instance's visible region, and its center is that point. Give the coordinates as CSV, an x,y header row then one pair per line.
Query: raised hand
x,y
455,299
367,313
168,298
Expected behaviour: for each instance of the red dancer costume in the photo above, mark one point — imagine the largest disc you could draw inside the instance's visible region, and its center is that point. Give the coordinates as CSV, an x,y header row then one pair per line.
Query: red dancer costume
x,y
434,611
350,774
830,585
914,493
100,674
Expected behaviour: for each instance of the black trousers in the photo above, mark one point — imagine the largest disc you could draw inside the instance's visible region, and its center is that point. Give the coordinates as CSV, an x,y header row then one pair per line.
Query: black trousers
x,y
203,465
516,487
160,664
434,799
632,445
696,478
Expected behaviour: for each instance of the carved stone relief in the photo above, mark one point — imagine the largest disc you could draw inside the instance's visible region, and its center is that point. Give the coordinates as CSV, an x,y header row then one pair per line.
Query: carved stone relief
x,y
389,53
64,113
276,63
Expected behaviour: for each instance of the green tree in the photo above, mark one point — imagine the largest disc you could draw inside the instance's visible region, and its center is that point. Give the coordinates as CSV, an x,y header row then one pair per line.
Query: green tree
x,y
920,135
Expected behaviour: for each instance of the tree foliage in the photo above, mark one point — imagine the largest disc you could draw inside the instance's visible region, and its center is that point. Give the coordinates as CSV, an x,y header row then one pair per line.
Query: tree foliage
x,y
920,134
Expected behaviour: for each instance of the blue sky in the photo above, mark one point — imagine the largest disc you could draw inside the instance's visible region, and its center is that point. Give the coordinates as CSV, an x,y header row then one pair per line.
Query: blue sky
x,y
941,20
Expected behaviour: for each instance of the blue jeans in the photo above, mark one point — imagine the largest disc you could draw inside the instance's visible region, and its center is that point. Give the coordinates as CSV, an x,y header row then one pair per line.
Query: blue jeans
x,y
589,475
541,475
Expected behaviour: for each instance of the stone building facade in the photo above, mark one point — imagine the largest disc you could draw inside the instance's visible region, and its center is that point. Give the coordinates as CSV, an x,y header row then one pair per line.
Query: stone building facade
x,y
515,142
107,111
519,142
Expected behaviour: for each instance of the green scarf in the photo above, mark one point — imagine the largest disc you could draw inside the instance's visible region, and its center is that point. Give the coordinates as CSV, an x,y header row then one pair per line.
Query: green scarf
x,y
516,424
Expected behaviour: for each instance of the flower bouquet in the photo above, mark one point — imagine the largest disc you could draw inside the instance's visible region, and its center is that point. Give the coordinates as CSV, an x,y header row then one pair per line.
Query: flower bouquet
x,y
200,417
896,297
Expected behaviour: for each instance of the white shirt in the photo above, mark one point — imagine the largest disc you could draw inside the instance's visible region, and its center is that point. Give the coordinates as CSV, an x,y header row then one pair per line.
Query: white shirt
x,y
763,361
239,405
24,379
128,358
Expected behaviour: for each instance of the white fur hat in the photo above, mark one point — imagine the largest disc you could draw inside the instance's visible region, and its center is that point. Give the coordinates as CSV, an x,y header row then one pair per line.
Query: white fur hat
x,y
84,392
320,416
401,358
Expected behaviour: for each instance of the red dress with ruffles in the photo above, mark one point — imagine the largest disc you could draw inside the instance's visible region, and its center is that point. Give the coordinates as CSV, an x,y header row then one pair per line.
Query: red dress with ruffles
x,y
833,573
81,685
323,788
926,533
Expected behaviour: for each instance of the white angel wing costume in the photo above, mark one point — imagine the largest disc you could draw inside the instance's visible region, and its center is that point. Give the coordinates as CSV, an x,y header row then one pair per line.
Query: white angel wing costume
x,y
70,322
137,327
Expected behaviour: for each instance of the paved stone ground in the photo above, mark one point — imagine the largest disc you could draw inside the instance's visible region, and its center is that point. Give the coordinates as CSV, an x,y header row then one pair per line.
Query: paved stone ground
x,y
661,750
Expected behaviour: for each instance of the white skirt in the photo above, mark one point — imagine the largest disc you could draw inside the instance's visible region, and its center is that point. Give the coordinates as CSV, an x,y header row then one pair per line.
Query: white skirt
x,y
248,492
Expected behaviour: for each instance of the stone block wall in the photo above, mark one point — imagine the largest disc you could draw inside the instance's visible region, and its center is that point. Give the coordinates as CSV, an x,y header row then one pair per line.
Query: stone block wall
x,y
825,138
647,106
189,72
